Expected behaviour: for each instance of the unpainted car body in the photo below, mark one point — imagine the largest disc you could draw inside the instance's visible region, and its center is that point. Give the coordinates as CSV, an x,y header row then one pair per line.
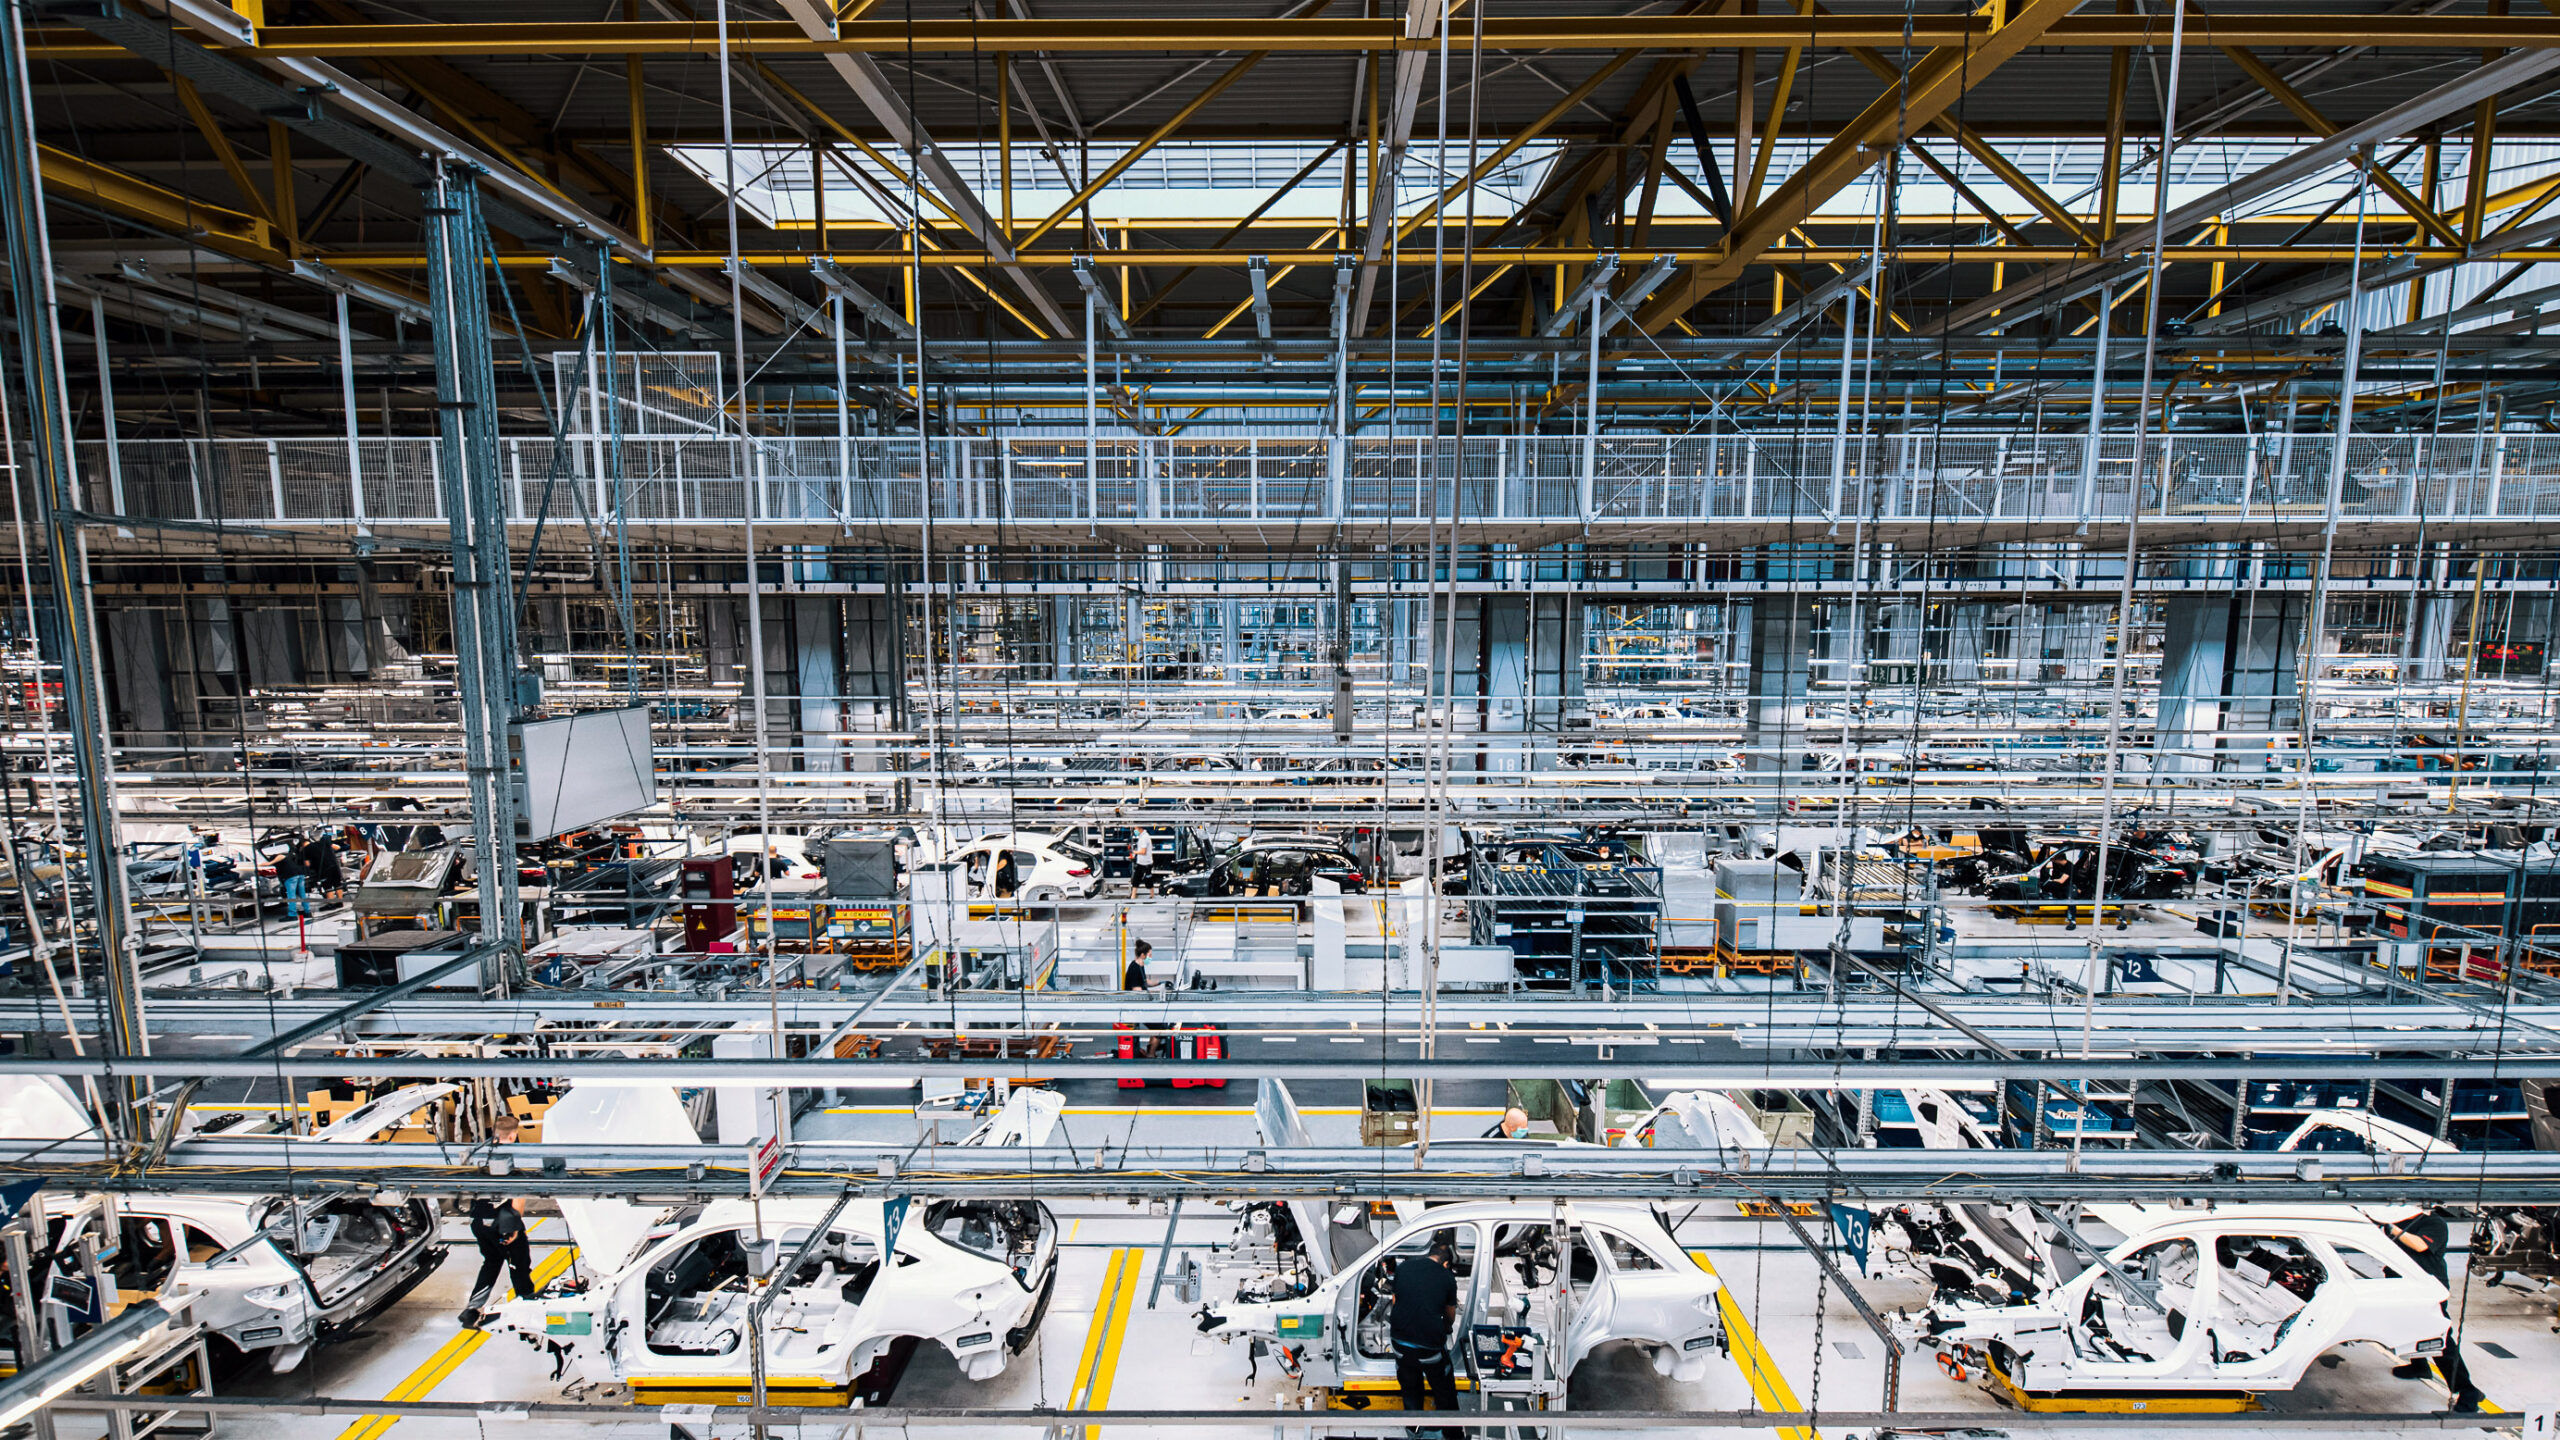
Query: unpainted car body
x,y
1621,1274
2234,1299
1628,1280
270,1276
670,1312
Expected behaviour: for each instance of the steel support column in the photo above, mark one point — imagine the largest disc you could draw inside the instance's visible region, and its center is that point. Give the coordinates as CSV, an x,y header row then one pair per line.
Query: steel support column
x,y
484,627
33,304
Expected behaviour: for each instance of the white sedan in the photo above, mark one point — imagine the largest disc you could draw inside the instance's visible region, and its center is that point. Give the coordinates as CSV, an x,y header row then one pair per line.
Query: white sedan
x,y
1046,868
1629,1279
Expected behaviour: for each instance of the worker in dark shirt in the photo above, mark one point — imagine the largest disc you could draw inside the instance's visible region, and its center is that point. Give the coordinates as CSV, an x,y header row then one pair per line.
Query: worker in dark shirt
x,y
2423,1236
293,872
1425,1308
320,861
1135,976
497,1227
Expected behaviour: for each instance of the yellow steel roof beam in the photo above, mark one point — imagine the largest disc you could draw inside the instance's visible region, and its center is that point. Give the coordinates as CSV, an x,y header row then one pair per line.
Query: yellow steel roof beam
x,y
1939,79
771,39
2274,84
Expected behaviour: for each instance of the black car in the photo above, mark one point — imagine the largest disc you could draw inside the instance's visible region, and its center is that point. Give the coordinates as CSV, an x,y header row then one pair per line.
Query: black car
x,y
2068,870
1278,865
1535,848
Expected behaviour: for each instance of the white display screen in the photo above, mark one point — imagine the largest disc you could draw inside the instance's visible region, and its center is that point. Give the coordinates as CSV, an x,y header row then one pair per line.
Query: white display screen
x,y
583,769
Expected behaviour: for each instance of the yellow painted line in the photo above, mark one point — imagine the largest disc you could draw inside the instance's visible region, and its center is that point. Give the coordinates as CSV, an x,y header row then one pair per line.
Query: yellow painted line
x,y
449,1356
1093,1329
421,1382
551,1267
1759,1367
1101,1360
1109,1366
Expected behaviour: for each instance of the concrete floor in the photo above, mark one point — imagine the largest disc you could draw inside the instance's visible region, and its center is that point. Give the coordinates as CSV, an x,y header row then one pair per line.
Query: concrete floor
x,y
1822,1355
1154,1358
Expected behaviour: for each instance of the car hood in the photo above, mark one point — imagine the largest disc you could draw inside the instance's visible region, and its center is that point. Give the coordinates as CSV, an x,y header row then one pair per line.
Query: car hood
x,y
40,1107
609,1232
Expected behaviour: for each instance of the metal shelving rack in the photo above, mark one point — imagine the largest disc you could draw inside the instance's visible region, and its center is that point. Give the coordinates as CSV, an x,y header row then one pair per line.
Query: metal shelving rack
x,y
178,1367
1571,925
2471,1114
2264,1112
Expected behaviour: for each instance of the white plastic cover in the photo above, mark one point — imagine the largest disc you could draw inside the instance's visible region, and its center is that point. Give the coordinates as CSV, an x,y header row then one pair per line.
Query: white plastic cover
x,y
1703,1120
608,1231
1027,1117
40,1107
363,1124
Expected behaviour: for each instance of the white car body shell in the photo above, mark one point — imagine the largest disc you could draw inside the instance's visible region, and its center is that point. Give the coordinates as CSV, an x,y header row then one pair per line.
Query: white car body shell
x,y
1660,1300
828,1322
2371,1134
1699,1120
2002,1237
792,850
1643,1290
350,1257
2225,1320
376,1119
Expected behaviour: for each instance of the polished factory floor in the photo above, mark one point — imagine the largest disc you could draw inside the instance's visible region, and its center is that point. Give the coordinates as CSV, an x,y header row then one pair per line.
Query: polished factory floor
x,y
1105,1344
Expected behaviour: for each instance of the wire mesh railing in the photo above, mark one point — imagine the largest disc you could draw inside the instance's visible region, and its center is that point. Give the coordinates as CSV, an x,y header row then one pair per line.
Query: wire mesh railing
x,y
1955,478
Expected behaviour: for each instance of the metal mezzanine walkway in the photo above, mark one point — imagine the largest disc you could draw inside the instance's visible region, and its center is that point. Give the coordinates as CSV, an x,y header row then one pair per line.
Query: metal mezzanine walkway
x,y
1285,490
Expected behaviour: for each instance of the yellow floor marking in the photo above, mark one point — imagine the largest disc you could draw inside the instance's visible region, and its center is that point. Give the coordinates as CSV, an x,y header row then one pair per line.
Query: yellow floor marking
x,y
449,1356
552,1265
1109,1364
2487,1405
1758,1365
1093,1329
1101,1361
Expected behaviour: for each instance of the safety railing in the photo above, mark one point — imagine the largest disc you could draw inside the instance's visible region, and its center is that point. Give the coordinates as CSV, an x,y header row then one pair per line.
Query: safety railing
x,y
1952,478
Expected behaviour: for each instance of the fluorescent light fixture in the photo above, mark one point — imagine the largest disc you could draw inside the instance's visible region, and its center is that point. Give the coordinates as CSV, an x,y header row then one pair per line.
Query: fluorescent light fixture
x,y
67,1369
